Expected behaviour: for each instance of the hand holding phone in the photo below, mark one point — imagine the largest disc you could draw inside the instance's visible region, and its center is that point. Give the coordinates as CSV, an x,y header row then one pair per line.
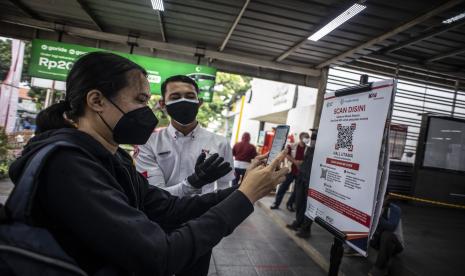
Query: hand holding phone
x,y
279,141
260,180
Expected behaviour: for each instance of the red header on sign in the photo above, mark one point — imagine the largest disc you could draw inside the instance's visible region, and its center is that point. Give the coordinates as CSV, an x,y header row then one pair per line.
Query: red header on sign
x,y
344,164
340,207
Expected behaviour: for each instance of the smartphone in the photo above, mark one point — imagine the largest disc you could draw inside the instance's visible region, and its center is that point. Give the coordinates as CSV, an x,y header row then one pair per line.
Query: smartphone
x,y
279,141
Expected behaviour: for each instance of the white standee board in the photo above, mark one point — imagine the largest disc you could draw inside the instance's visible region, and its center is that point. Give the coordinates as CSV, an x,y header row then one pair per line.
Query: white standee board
x,y
347,180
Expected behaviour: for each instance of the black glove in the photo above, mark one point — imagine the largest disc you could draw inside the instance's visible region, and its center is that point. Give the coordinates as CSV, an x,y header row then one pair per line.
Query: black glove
x,y
208,171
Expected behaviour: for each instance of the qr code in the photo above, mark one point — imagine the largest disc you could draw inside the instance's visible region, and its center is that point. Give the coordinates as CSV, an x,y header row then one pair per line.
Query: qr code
x,y
345,136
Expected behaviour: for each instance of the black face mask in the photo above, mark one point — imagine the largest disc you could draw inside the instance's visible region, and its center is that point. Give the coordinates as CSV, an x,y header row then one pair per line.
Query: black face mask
x,y
183,111
135,127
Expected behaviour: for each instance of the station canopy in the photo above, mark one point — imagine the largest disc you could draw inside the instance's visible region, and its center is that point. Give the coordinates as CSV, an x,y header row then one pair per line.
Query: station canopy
x,y
264,38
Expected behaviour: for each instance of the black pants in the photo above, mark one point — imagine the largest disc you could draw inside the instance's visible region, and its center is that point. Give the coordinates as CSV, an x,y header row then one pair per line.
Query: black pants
x,y
388,246
239,174
301,194
283,189
291,200
199,268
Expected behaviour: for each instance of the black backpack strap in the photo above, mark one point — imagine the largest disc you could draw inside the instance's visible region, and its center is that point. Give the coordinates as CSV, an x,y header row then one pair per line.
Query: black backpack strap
x,y
20,202
3,214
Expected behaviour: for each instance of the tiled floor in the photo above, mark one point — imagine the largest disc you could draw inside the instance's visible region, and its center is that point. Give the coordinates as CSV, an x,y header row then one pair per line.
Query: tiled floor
x,y
259,247
434,245
433,238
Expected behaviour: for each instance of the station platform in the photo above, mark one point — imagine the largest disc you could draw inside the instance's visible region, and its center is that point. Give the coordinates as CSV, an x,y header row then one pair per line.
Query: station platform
x,y
433,237
257,247
262,245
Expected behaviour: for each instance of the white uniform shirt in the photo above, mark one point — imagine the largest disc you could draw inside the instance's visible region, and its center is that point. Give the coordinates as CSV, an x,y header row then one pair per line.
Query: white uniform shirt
x,y
169,157
241,164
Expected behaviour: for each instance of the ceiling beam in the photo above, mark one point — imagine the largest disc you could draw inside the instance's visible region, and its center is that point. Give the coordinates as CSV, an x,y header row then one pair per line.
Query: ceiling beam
x,y
446,55
234,25
447,5
455,72
404,73
90,14
418,38
162,26
383,66
291,50
299,44
20,5
163,46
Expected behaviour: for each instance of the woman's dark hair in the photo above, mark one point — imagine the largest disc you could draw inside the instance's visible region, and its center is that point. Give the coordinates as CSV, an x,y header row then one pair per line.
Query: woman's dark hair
x,y
103,71
178,78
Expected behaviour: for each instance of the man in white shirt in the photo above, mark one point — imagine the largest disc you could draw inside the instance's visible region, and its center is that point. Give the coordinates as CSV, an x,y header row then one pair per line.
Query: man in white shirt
x,y
169,158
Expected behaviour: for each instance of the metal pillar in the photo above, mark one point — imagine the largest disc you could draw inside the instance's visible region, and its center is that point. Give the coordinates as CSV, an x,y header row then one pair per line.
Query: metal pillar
x,y
455,97
320,96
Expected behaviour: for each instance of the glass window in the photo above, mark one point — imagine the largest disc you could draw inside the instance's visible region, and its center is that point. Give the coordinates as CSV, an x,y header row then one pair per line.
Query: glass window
x,y
445,144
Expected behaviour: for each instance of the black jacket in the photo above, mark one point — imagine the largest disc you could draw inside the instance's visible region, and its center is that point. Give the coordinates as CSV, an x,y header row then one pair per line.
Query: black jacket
x,y
305,168
104,213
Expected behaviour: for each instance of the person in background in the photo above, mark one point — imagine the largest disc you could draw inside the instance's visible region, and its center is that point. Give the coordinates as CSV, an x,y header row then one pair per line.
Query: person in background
x,y
243,153
25,124
302,224
169,157
295,156
388,238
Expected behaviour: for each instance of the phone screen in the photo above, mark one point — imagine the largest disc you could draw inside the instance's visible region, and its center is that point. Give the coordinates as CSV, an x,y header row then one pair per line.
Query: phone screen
x,y
279,141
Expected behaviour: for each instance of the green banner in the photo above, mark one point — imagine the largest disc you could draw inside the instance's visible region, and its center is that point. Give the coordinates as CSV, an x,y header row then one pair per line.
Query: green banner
x,y
53,60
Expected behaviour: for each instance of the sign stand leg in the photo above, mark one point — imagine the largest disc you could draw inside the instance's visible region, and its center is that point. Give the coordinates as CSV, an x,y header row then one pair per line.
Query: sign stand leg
x,y
335,259
337,249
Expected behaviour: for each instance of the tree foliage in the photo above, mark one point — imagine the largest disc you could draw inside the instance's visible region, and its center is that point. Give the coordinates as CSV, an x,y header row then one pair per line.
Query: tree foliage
x,y
229,88
163,119
5,58
4,162
36,93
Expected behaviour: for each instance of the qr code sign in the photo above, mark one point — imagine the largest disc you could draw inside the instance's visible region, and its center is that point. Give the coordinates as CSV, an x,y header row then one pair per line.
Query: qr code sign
x,y
345,136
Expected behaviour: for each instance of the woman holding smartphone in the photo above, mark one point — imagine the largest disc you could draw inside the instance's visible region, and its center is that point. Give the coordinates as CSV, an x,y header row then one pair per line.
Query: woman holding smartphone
x,y
98,207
